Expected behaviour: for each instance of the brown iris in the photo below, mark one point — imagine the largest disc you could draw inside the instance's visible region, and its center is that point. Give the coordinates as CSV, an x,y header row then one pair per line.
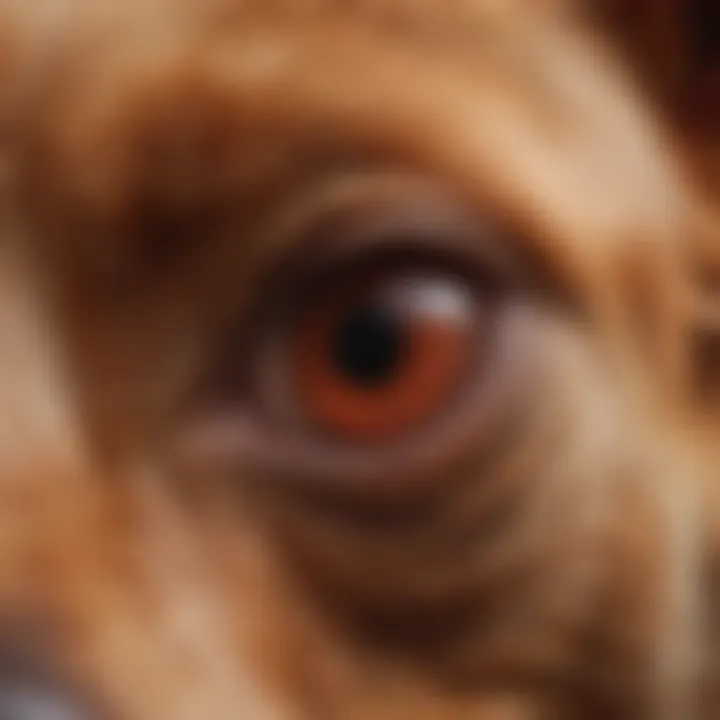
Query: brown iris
x,y
379,356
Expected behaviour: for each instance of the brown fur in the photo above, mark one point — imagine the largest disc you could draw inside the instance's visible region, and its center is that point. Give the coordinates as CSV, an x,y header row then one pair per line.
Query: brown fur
x,y
152,152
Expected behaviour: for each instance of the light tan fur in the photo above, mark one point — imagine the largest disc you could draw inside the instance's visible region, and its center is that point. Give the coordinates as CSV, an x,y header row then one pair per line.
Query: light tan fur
x,y
152,151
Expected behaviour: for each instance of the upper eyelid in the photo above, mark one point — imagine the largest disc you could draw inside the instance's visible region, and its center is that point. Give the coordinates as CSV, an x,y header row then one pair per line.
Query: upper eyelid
x,y
376,215
356,214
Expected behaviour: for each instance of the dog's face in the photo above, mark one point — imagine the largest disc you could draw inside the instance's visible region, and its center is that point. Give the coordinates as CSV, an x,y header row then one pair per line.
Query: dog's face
x,y
358,363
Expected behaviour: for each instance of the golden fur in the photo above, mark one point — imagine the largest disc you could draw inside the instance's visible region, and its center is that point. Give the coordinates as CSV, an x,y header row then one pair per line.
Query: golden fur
x,y
151,149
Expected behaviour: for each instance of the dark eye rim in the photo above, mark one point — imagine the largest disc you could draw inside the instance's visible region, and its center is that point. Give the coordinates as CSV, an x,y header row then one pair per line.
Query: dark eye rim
x,y
436,233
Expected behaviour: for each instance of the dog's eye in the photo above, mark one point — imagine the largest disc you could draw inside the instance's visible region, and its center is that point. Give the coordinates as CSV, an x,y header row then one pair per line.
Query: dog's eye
x,y
394,342
379,354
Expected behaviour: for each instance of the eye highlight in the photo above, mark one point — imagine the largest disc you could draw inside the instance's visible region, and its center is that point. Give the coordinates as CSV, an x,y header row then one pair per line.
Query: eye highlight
x,y
375,357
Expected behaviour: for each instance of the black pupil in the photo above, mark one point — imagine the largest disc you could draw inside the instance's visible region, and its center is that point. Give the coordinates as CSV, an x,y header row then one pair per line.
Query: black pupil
x,y
369,346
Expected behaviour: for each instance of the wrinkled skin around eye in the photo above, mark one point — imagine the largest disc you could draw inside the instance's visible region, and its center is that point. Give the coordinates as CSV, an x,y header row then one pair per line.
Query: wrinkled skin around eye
x,y
550,562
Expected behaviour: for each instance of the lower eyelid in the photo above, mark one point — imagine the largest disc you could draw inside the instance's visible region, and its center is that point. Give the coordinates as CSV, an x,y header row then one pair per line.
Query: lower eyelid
x,y
238,441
